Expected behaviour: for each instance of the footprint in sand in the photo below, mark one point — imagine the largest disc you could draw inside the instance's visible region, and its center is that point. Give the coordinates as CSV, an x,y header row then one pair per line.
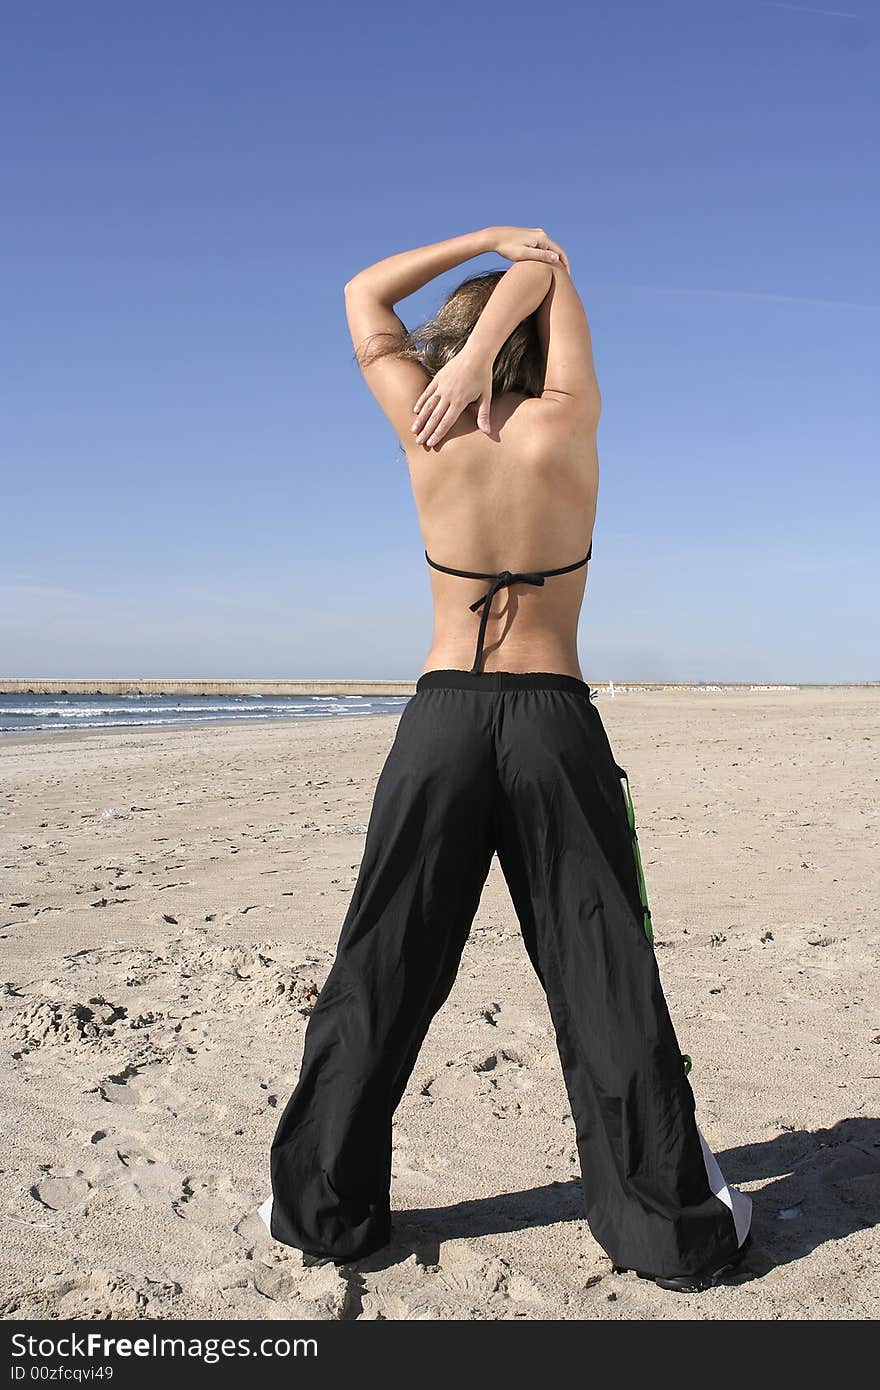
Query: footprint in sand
x,y
136,1172
148,1089
480,1073
92,1294
132,1086
321,1293
505,1069
153,1184
116,1160
457,1277
210,1199
421,1169
59,1192
126,1147
276,1272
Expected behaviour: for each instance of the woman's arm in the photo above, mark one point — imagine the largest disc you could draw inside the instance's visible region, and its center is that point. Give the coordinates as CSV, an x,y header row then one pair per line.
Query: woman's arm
x,y
468,377
518,293
570,373
370,297
396,277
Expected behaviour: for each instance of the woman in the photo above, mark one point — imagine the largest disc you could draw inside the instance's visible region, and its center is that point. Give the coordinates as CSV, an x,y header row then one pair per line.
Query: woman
x,y
501,750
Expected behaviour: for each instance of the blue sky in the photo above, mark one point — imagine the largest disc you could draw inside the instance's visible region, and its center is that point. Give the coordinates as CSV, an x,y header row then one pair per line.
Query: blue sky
x,y
197,481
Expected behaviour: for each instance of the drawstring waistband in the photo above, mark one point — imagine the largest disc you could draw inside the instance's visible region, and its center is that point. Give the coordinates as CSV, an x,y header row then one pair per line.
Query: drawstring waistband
x,y
501,580
501,680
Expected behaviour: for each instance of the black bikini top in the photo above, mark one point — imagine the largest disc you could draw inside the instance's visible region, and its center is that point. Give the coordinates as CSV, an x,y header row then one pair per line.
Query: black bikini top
x,y
502,580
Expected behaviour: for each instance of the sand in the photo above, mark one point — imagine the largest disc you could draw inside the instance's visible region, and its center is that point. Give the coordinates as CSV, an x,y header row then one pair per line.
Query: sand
x,y
170,905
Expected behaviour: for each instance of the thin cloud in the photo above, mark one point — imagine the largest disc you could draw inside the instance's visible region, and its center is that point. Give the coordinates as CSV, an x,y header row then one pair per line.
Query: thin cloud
x,y
808,9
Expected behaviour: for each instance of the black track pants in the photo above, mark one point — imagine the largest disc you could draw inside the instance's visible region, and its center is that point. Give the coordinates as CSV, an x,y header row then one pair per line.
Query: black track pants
x,y
521,764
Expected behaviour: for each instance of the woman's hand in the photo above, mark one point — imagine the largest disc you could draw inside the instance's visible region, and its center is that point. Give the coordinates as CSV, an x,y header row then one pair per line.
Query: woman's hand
x,y
528,244
467,378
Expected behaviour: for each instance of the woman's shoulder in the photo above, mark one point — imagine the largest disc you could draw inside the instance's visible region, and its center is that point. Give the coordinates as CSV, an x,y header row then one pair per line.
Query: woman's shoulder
x,y
546,424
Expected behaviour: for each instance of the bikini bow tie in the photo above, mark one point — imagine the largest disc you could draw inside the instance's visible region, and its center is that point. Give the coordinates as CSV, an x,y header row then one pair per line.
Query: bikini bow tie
x,y
502,580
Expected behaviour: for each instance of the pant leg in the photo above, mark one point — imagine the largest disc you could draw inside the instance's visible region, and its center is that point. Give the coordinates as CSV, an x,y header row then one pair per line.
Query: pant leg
x,y
426,857
565,847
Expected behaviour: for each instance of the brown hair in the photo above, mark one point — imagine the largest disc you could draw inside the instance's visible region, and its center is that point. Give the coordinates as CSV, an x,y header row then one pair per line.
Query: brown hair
x,y
519,365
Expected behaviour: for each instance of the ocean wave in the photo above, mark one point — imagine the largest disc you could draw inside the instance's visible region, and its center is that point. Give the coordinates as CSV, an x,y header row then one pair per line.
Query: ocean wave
x,y
131,711
89,711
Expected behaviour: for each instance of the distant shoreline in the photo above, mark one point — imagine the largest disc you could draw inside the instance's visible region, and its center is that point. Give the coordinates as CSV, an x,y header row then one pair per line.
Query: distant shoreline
x,y
150,685
197,687
58,716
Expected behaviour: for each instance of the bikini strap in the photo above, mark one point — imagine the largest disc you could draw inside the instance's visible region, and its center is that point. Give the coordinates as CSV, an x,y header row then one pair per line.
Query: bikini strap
x,y
501,580
494,574
462,574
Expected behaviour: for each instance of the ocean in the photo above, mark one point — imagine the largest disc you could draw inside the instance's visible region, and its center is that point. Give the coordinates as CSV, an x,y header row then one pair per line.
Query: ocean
x,y
54,713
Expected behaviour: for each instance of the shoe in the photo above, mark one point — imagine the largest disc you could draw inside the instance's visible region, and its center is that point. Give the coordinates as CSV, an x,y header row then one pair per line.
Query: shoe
x,y
311,1260
265,1213
698,1282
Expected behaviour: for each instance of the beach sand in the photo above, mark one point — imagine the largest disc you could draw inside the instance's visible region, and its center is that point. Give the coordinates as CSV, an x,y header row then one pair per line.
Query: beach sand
x,y
171,901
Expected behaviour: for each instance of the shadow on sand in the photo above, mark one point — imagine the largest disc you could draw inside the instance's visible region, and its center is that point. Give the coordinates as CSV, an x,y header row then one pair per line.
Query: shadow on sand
x,y
817,1186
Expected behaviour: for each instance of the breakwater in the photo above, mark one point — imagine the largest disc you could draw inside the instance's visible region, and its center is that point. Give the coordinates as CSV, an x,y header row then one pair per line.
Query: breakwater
x,y
172,686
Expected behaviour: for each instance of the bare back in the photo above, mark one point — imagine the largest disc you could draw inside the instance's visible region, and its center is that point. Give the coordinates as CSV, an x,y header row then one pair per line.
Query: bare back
x,y
522,498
